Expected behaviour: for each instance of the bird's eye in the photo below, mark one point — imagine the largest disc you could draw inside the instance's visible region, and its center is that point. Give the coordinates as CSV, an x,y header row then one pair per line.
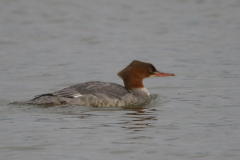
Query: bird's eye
x,y
151,70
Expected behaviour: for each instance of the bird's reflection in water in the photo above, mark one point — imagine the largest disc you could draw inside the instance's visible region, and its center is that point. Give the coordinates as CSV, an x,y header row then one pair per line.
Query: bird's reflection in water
x,y
139,119
124,126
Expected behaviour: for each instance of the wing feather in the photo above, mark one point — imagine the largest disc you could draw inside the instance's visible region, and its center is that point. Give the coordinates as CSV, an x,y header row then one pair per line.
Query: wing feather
x,y
112,90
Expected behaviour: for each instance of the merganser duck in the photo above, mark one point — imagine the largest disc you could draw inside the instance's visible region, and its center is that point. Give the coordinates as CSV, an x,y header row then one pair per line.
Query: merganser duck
x,y
105,94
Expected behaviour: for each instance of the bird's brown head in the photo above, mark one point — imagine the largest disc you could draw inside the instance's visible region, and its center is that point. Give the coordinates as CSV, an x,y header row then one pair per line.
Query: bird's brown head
x,y
136,71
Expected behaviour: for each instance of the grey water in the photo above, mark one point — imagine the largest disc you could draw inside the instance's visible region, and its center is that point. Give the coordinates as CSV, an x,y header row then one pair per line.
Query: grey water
x,y
50,44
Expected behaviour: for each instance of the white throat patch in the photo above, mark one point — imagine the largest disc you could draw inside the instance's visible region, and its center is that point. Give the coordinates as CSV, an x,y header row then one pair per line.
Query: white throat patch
x,y
140,91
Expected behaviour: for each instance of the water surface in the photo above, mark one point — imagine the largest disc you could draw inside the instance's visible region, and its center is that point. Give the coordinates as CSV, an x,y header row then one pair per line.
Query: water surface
x,y
50,44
